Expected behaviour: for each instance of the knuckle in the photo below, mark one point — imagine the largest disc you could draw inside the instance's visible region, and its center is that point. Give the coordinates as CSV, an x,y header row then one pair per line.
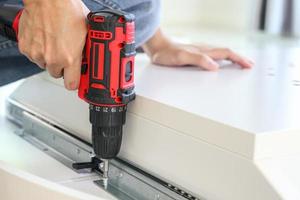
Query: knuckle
x,y
69,60
155,59
202,59
180,54
35,55
55,73
58,75
41,65
227,50
49,60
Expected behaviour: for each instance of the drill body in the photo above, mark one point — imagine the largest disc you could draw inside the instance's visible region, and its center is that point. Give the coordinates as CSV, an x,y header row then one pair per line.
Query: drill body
x,y
107,75
107,79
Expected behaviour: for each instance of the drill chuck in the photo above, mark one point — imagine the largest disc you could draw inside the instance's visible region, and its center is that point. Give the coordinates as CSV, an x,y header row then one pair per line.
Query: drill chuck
x,y
106,141
107,125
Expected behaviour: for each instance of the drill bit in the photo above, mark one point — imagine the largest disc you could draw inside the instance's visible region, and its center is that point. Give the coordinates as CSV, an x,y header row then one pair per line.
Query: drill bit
x,y
104,167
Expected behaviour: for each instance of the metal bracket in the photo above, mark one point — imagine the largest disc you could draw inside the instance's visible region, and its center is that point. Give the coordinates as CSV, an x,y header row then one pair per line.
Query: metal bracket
x,y
125,181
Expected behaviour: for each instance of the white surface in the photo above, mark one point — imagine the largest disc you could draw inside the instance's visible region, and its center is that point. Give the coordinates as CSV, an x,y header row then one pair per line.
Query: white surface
x,y
263,99
18,184
173,136
200,167
21,154
38,174
209,132
205,169
283,170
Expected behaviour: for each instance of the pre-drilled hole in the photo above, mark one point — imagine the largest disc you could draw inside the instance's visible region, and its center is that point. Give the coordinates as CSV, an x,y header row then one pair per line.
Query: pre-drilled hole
x,y
292,64
271,74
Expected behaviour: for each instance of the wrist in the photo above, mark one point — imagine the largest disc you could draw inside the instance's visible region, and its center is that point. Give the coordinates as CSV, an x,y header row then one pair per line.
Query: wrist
x,y
157,42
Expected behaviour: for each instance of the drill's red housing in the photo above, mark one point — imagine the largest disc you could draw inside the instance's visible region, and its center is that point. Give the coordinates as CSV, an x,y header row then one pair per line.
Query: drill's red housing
x,y
107,77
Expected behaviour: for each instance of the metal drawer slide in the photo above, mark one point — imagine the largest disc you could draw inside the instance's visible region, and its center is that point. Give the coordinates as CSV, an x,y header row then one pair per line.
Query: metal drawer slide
x,y
126,181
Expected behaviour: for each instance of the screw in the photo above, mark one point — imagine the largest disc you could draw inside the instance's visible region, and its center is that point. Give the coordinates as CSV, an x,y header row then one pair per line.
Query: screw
x,y
120,175
101,165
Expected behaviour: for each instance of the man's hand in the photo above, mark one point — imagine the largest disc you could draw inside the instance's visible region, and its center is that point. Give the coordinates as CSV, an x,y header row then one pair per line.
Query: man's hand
x,y
52,34
162,51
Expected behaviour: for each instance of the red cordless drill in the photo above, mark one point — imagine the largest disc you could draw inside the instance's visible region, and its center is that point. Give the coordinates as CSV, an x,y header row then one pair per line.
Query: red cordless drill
x,y
107,75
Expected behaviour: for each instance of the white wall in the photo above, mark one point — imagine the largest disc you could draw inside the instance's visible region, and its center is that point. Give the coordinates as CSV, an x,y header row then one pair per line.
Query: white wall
x,y
225,14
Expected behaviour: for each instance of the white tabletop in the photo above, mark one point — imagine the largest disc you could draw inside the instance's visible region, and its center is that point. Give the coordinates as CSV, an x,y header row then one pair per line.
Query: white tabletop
x,y
263,99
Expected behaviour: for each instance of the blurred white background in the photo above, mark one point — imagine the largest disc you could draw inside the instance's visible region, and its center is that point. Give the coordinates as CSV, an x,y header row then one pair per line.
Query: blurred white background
x,y
238,15
282,16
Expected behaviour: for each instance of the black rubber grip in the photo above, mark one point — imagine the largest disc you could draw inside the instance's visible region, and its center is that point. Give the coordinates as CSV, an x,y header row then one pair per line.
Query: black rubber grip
x,y
8,14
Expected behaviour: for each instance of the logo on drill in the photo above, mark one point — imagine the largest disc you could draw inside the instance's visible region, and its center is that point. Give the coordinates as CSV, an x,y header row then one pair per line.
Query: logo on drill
x,y
102,35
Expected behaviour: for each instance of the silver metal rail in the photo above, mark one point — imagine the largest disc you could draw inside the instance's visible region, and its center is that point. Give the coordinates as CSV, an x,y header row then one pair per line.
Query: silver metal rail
x,y
125,182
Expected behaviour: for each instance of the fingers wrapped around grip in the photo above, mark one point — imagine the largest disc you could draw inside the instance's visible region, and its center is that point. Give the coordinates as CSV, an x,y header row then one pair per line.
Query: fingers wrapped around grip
x,y
52,34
